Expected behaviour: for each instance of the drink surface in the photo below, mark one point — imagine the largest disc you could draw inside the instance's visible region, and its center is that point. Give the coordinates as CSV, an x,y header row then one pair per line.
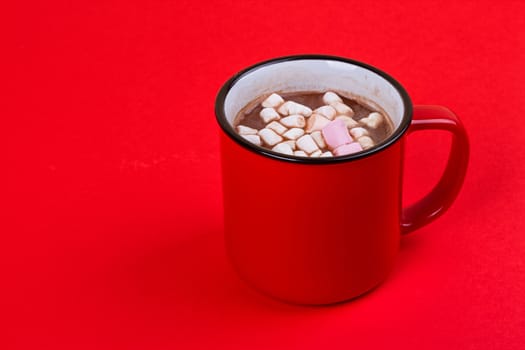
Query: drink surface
x,y
288,122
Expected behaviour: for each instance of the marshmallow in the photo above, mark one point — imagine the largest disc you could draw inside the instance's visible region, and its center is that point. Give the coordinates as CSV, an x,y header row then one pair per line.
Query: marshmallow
x,y
294,133
349,122
365,142
291,143
277,127
331,97
269,137
341,108
326,111
316,122
245,130
290,108
336,134
294,121
273,101
347,149
373,120
307,144
300,154
283,148
268,114
255,139
358,132
316,154
318,138
327,154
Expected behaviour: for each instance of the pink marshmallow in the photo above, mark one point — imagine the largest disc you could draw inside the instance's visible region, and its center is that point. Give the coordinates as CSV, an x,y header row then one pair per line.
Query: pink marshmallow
x,y
348,149
336,134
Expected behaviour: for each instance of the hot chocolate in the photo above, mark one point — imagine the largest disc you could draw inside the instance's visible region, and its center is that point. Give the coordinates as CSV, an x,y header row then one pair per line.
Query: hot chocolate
x,y
312,124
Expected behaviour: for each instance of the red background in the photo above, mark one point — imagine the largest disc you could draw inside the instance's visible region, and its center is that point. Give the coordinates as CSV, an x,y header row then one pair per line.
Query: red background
x,y
111,204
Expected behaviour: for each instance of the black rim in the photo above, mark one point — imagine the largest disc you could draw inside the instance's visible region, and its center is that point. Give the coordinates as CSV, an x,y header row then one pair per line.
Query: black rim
x,y
228,129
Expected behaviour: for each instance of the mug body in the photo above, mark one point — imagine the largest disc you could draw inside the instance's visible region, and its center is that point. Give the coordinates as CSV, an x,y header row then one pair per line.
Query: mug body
x,y
312,230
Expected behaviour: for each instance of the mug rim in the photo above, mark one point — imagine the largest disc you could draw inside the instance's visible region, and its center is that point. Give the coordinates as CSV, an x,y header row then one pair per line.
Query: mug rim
x,y
228,129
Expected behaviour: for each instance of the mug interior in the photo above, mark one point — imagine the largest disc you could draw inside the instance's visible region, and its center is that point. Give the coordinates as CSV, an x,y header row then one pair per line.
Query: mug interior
x,y
314,73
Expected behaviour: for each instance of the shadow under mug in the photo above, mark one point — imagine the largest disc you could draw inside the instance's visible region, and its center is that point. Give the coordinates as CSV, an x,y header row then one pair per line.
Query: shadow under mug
x,y
325,230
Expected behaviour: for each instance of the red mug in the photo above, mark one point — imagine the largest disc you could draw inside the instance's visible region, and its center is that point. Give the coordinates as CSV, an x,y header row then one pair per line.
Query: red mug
x,y
325,230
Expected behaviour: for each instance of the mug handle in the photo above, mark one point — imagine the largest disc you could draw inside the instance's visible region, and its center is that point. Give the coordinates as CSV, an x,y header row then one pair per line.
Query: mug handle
x,y
443,194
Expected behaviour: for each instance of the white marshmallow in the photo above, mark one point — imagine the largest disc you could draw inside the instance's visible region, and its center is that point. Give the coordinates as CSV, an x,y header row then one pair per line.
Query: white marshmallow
x,y
365,142
349,122
283,148
291,143
316,154
255,139
268,114
307,144
319,139
316,122
341,108
246,130
373,120
291,107
293,121
277,127
300,154
327,154
294,133
273,101
358,132
269,137
331,97
326,111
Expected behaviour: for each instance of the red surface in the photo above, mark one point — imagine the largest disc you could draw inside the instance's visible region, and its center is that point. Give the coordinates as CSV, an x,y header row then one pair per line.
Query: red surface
x,y
111,219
